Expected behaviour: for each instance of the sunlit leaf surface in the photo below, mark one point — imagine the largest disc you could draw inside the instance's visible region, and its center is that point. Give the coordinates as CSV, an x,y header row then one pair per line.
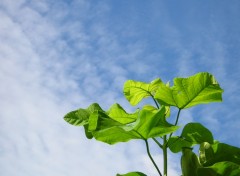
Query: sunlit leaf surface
x,y
135,91
187,92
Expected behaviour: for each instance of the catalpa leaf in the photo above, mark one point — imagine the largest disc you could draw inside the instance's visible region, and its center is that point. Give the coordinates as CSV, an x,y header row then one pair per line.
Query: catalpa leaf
x,y
108,130
223,152
132,174
153,123
187,92
135,91
117,113
196,133
176,143
80,117
192,134
206,153
99,120
148,124
73,119
224,168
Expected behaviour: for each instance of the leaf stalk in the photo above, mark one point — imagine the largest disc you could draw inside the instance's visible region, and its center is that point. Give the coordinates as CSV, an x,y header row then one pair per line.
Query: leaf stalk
x,y
151,158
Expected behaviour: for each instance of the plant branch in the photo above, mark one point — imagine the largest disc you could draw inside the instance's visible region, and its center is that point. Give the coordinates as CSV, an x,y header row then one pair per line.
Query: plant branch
x,y
155,101
179,110
158,143
151,158
176,122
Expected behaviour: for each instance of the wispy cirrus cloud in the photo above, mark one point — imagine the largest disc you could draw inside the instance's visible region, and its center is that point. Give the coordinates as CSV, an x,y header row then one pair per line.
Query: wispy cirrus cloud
x,y
59,56
48,70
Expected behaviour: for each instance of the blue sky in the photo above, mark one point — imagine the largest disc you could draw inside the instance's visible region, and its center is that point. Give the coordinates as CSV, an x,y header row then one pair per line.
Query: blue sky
x,y
57,56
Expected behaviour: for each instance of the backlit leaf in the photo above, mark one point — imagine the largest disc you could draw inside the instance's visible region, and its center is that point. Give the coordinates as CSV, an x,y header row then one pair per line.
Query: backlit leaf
x,y
192,134
225,168
224,152
135,91
149,123
197,133
176,144
133,174
187,92
117,113
80,117
153,123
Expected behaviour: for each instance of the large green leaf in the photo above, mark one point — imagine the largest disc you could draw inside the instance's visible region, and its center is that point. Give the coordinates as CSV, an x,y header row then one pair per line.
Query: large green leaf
x,y
108,130
206,152
150,123
223,152
135,91
197,133
73,119
133,174
153,123
176,143
117,113
187,92
99,120
80,117
192,134
225,168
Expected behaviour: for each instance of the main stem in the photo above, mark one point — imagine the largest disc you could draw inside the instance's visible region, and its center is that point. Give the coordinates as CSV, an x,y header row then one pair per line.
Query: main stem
x,y
164,155
165,143
164,146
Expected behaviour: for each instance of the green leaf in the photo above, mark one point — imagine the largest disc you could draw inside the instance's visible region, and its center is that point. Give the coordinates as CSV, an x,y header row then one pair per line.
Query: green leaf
x,y
73,119
106,129
197,133
225,168
187,92
87,133
115,134
223,152
192,134
133,174
149,123
176,144
117,113
135,91
189,162
205,152
153,123
99,120
80,117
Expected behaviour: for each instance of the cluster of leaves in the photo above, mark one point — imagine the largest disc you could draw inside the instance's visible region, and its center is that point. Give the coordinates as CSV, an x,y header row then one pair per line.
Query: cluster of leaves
x,y
150,122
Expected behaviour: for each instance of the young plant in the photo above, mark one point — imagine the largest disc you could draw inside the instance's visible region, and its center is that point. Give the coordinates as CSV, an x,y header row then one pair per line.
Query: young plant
x,y
150,123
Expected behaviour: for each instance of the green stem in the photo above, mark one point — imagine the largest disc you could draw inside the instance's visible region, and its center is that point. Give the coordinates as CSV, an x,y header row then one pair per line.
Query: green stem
x,y
151,158
165,155
158,143
165,146
155,101
176,122
179,110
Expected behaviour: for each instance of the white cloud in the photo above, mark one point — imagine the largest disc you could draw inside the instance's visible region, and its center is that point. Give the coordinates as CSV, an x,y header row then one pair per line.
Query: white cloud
x,y
39,88
59,56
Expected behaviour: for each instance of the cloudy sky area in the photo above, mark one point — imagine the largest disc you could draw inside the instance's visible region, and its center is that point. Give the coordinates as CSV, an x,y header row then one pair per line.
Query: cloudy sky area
x,y
57,56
